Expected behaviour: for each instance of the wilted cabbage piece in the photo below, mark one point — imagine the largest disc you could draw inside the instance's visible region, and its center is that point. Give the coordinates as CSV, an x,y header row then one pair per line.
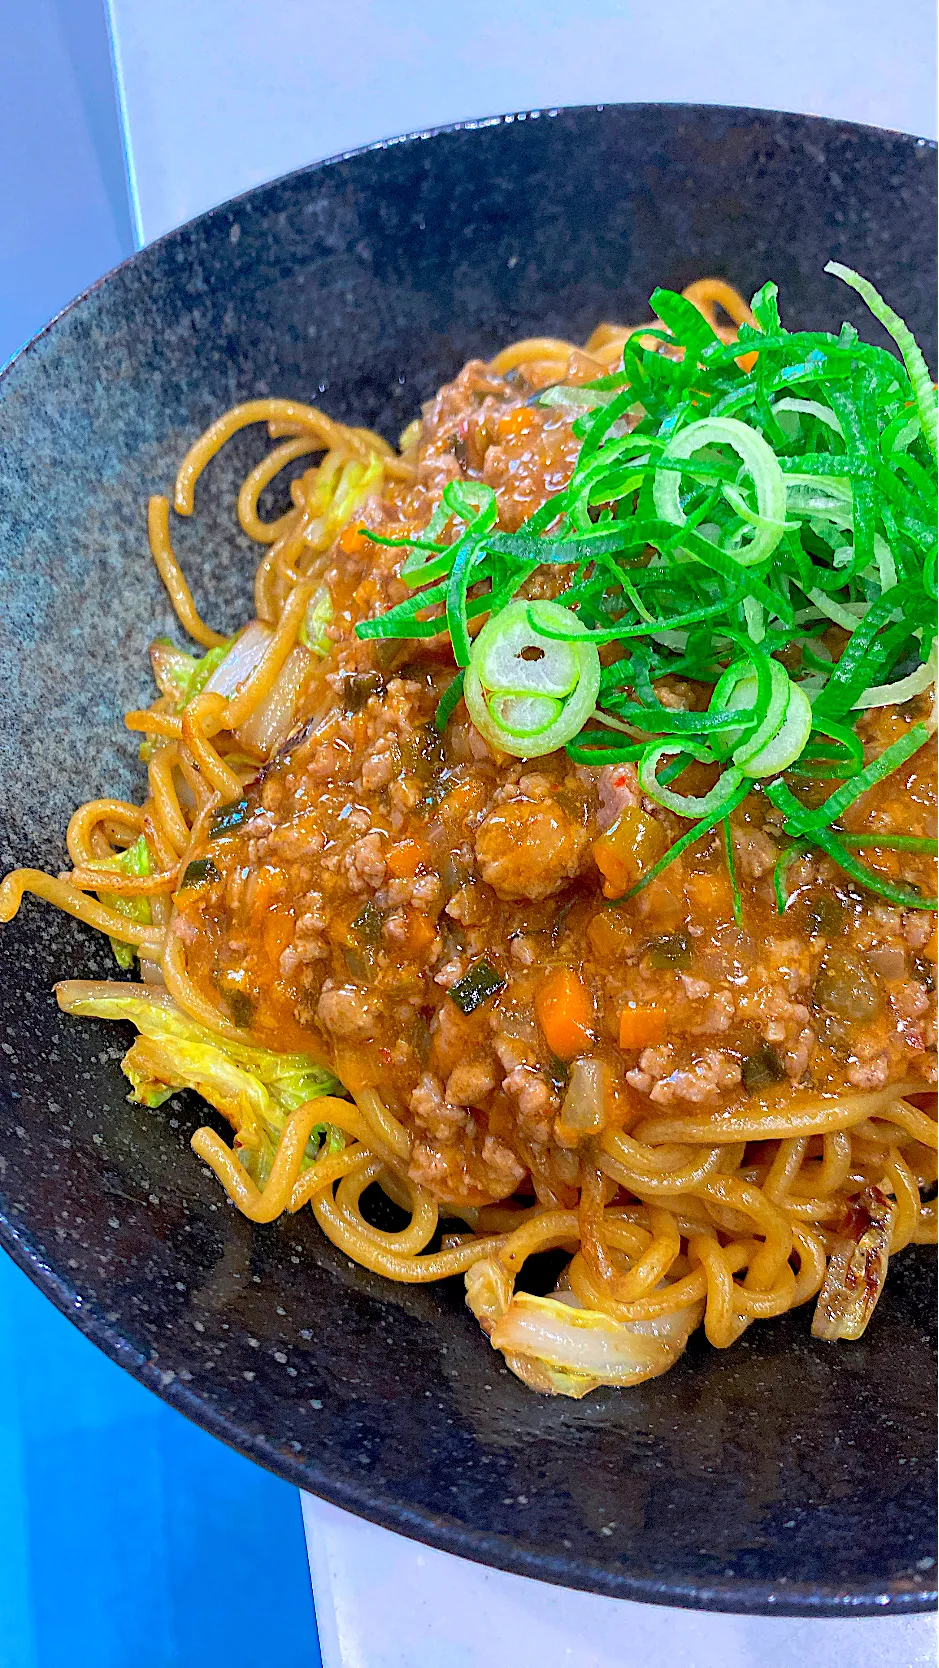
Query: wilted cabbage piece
x,y
314,627
254,1088
561,1349
182,676
857,1269
488,1292
135,860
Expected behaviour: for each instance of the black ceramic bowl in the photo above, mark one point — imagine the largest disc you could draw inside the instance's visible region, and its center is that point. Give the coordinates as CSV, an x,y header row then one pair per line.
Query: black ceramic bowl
x,y
784,1475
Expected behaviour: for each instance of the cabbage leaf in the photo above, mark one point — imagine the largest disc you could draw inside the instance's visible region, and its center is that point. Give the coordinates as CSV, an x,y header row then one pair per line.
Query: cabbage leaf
x,y
135,860
181,676
256,1089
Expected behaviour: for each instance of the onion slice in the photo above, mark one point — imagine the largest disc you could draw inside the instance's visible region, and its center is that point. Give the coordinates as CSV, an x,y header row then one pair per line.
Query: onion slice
x,y
586,1103
857,1269
272,719
590,1348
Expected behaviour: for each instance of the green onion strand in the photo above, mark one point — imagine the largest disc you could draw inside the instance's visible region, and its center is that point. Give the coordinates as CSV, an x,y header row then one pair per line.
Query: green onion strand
x,y
767,535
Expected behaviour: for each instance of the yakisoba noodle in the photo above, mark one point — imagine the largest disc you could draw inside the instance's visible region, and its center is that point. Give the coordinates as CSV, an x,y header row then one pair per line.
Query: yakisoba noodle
x,y
395,955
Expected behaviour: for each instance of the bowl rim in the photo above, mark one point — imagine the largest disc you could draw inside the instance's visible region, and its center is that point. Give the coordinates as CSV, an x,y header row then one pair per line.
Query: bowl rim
x,y
420,135
734,1595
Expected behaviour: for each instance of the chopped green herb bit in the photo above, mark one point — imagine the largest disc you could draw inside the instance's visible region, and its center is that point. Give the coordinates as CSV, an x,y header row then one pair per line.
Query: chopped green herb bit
x,y
368,924
227,818
559,1074
358,689
671,950
476,987
200,872
761,1069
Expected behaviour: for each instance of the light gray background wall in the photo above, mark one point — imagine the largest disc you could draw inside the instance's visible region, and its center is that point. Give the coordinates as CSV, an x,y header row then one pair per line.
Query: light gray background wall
x,y
64,209
223,94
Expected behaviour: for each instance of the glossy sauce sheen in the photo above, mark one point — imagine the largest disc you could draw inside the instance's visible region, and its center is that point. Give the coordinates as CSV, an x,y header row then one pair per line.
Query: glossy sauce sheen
x,y
378,863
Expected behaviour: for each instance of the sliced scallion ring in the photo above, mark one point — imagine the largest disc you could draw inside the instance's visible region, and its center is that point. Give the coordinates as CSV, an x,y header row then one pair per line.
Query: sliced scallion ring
x,y
738,689
751,687
527,693
892,694
824,497
808,408
784,728
760,463
523,715
785,746
686,805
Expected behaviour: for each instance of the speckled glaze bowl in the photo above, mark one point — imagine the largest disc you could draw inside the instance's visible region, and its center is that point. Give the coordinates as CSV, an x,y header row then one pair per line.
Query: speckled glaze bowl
x,y
783,1475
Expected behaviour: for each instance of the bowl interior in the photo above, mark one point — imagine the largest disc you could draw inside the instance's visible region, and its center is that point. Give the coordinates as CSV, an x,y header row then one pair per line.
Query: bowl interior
x,y
782,1475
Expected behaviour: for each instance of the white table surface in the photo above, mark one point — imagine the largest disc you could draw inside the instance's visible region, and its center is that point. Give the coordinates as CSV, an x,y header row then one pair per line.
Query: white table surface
x,y
220,95
385,1602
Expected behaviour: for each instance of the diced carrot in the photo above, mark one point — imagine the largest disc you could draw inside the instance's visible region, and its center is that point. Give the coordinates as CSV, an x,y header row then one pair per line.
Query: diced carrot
x,y
276,932
708,895
351,540
564,1008
404,859
642,1026
931,946
421,933
627,850
518,422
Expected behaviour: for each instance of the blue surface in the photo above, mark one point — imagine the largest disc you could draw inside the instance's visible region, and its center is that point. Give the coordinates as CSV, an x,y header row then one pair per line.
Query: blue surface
x,y
128,1537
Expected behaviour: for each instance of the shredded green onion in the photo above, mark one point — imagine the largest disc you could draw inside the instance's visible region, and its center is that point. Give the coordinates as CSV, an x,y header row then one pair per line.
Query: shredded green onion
x,y
448,701
728,838
766,535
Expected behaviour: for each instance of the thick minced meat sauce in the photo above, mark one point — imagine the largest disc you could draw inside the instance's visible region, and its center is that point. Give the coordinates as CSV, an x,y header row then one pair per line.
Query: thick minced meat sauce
x,y
436,920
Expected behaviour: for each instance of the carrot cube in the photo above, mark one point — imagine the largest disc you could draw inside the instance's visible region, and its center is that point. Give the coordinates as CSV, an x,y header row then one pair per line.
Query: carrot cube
x,y
404,859
564,1007
421,933
642,1026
